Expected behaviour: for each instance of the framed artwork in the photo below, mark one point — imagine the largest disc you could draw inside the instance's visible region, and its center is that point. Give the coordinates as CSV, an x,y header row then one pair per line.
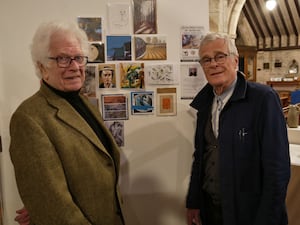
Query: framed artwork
x,y
96,53
119,18
107,75
150,47
142,102
166,102
145,17
92,26
114,107
132,75
191,37
116,128
192,80
89,85
160,74
118,48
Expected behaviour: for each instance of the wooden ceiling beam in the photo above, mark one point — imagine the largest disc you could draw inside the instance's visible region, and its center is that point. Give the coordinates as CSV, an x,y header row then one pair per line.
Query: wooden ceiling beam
x,y
248,10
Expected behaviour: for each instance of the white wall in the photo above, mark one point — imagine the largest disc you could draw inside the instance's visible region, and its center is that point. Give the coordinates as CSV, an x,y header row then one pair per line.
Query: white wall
x,y
158,150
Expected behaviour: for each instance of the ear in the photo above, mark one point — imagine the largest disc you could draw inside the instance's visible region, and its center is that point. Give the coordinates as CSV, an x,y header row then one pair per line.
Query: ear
x,y
43,71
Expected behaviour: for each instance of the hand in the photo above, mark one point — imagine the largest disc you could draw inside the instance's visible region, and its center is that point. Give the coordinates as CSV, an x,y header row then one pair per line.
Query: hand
x,y
193,217
23,216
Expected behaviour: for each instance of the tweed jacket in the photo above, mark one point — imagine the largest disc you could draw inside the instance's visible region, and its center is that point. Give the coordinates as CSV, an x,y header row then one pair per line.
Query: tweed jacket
x,y
64,174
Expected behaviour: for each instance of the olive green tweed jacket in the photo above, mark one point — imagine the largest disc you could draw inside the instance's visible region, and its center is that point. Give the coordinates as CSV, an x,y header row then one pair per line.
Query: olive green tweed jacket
x,y
64,174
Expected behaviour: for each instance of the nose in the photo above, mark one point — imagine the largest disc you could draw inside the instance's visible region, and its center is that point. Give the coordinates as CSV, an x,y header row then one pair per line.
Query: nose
x,y
73,64
212,60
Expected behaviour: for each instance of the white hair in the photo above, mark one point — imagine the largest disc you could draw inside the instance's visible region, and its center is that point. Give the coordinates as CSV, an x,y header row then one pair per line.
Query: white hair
x,y
40,47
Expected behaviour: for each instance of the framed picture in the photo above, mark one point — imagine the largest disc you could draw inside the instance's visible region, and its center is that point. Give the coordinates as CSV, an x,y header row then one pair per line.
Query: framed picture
x,y
116,128
114,107
132,75
150,47
118,48
92,26
142,102
144,17
119,18
166,102
96,53
89,85
107,75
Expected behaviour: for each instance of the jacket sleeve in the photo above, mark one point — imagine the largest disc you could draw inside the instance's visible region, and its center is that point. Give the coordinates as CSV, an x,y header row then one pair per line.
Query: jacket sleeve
x,y
40,175
275,161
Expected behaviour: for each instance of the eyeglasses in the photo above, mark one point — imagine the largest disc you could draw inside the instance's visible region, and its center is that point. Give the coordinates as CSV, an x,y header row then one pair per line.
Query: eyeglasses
x,y
65,61
219,58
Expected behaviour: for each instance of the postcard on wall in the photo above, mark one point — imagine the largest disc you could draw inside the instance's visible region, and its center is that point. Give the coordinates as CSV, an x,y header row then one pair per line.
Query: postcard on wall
x,y
192,80
150,47
159,74
116,128
107,75
96,53
191,37
118,48
89,85
166,102
119,18
114,106
132,75
142,102
145,17
92,26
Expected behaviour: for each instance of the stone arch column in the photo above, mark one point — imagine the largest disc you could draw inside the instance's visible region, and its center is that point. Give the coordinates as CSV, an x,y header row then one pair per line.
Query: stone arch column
x,y
224,15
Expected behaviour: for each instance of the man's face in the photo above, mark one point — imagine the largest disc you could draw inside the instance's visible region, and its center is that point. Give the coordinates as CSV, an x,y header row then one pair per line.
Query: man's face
x,y
107,77
64,79
219,75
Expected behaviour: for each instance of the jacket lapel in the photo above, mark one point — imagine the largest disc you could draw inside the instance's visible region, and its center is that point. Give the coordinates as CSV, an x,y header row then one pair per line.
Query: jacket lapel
x,y
70,116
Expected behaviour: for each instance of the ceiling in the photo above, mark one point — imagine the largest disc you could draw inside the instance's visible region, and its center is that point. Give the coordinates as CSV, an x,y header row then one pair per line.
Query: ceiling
x,y
278,29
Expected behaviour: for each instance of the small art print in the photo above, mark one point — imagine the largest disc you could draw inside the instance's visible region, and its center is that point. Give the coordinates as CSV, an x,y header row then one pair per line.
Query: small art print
x,y
167,102
132,75
114,107
142,102
150,47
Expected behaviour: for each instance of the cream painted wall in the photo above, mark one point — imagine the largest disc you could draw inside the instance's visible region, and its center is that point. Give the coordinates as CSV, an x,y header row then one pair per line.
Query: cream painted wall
x,y
157,156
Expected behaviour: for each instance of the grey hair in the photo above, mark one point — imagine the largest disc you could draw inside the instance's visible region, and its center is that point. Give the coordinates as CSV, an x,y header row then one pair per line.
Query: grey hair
x,y
227,40
40,47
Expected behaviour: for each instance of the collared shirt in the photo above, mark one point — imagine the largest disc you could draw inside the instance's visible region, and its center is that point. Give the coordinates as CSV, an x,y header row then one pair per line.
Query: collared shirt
x,y
218,104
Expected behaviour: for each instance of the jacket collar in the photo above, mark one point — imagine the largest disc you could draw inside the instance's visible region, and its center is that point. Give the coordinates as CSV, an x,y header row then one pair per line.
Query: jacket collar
x,y
205,97
68,115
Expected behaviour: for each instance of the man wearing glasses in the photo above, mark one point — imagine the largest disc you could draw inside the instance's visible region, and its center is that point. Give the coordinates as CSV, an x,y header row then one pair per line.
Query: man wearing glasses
x,y
66,161
241,164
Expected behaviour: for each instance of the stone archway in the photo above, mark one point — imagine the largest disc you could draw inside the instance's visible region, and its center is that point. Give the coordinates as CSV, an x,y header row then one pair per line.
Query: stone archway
x,y
224,15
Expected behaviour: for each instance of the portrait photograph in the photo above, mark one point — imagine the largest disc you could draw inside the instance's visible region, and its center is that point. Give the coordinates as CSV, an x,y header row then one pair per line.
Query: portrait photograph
x,y
107,75
96,53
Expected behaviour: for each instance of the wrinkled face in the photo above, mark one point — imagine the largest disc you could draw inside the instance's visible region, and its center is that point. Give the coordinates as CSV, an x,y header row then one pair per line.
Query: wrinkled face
x,y
106,76
222,74
66,79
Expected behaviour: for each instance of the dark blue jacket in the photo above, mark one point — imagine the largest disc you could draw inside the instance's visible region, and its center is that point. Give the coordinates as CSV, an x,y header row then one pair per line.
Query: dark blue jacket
x,y
254,155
